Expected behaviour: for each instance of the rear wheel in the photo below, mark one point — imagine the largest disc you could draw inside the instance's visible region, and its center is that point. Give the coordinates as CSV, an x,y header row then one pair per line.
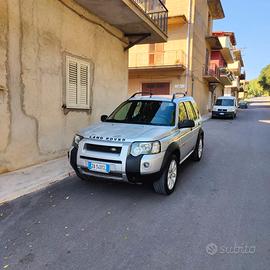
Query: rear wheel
x,y
198,152
166,183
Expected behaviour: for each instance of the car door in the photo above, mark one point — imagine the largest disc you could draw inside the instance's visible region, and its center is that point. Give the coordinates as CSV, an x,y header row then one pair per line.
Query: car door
x,y
235,105
183,140
193,134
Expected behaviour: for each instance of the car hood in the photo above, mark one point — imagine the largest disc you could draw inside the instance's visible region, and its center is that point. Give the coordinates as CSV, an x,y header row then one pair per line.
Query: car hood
x,y
126,132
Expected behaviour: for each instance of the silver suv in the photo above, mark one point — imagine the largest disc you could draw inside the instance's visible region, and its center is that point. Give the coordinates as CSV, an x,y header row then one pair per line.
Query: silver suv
x,y
145,139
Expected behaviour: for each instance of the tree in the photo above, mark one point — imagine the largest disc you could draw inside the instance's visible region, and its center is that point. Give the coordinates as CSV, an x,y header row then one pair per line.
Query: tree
x,y
264,78
255,89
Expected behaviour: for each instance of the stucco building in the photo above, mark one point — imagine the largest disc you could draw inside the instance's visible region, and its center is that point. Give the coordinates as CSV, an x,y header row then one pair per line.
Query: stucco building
x,y
63,63
225,67
179,64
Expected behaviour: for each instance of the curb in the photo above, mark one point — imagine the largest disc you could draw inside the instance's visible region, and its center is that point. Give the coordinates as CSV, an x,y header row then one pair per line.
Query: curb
x,y
33,188
205,118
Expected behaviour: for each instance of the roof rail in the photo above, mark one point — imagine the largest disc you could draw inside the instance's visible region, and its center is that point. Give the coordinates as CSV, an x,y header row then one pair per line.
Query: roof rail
x,y
179,93
141,93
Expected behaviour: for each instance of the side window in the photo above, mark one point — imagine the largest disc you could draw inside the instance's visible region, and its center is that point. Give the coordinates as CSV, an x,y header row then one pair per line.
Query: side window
x,y
121,115
190,110
182,112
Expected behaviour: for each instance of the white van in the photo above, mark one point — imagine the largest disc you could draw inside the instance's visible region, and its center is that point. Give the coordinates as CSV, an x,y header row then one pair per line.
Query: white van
x,y
225,106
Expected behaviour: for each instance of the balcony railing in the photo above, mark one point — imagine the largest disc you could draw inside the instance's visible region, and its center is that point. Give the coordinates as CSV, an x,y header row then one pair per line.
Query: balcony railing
x,y
226,72
157,59
157,12
214,73
211,70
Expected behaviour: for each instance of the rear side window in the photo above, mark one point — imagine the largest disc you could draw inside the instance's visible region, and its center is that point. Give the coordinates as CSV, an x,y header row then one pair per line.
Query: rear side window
x,y
192,115
196,109
182,112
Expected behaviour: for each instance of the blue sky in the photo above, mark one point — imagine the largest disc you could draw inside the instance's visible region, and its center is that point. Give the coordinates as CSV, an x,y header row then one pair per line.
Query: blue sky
x,y
250,20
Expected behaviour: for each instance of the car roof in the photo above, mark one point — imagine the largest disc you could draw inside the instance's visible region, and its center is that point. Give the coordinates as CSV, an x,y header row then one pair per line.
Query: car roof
x,y
226,97
177,99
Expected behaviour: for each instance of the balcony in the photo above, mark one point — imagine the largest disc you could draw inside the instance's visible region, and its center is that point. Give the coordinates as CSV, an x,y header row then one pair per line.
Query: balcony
x,y
226,76
227,49
236,83
243,76
142,21
211,73
238,56
216,9
214,43
169,59
235,68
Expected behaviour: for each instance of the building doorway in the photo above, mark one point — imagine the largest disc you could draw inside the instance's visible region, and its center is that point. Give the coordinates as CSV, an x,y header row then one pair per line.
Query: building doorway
x,y
160,88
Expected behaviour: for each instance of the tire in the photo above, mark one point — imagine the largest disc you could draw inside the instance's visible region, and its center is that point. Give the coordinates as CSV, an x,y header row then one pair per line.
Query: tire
x,y
166,183
83,177
198,152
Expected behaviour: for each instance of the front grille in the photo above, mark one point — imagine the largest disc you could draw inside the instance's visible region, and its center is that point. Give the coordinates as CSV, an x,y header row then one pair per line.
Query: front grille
x,y
222,110
103,148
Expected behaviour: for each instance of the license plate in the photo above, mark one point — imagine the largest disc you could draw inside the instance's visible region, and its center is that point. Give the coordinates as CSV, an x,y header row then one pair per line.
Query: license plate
x,y
222,113
98,167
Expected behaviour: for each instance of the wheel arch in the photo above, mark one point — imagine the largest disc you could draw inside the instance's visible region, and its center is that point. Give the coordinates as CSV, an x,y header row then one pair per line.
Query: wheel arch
x,y
201,133
173,149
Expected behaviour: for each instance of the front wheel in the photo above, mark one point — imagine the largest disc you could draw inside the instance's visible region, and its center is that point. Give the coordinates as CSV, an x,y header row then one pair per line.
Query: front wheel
x,y
166,183
82,176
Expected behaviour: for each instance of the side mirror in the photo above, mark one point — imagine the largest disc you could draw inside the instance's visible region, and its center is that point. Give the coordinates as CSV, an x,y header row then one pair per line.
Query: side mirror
x,y
103,118
186,124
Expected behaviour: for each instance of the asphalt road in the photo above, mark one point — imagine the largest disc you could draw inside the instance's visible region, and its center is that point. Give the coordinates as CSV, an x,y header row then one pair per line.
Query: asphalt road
x,y
218,218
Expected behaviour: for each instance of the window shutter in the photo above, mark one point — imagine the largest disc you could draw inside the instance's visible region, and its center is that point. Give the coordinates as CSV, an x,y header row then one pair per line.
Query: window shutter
x,y
84,85
77,83
72,83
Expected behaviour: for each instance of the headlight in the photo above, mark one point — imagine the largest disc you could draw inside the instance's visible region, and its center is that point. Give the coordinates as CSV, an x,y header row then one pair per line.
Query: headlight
x,y
76,140
145,148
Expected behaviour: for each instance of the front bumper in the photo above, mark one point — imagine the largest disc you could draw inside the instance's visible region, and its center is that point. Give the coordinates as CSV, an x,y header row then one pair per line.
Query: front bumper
x,y
123,166
222,114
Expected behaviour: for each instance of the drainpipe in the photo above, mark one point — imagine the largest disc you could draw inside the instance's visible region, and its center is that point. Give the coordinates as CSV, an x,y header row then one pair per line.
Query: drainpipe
x,y
188,43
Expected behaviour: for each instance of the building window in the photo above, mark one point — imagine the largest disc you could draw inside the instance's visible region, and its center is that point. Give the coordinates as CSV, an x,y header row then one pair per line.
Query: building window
x,y
156,54
77,83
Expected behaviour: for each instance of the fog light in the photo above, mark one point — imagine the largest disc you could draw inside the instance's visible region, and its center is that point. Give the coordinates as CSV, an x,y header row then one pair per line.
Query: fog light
x,y
146,164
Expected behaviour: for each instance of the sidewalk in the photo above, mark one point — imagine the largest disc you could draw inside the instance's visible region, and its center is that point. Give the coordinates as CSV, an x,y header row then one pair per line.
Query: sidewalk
x,y
206,117
21,182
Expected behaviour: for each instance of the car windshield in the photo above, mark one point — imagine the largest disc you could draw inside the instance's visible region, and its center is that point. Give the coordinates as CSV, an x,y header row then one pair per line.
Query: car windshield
x,y
146,112
224,102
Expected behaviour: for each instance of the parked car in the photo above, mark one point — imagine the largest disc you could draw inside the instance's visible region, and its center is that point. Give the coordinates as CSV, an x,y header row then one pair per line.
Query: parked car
x,y
242,104
145,139
225,106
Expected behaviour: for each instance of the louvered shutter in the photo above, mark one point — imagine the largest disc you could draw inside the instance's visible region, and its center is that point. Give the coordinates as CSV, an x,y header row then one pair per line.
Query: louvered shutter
x,y
77,83
84,85
72,83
